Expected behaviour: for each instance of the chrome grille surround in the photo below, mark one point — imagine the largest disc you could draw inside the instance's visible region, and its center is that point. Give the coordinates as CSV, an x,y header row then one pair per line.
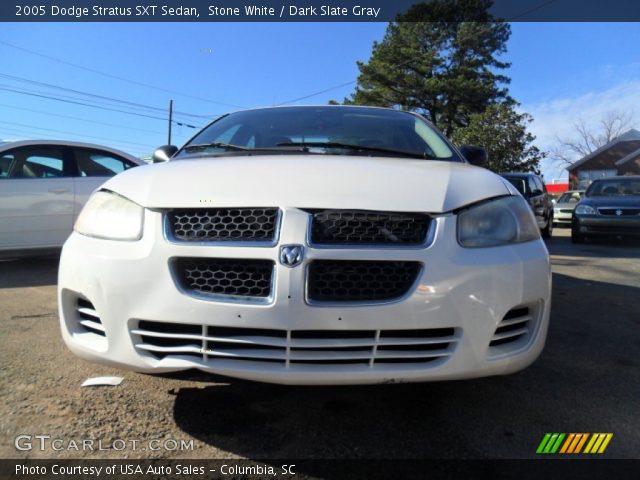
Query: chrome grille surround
x,y
225,279
211,345
251,226
365,228
360,282
625,211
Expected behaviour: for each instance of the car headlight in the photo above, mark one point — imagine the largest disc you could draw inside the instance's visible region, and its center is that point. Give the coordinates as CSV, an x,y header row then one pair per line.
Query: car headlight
x,y
556,210
585,210
503,221
110,216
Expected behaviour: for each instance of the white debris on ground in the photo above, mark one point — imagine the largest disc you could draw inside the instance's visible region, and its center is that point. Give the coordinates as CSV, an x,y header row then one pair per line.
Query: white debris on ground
x,y
102,381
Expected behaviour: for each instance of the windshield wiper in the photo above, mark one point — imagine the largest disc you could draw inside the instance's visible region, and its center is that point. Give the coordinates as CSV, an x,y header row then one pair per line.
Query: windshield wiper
x,y
359,148
226,146
239,148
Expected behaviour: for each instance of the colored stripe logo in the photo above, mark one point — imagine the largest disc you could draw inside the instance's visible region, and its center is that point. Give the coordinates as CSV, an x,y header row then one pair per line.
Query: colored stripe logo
x,y
574,443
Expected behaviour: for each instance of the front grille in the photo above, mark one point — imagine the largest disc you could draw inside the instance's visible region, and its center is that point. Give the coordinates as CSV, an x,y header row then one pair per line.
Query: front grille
x,y
566,210
225,277
88,318
515,325
227,345
224,224
359,280
624,212
610,230
361,227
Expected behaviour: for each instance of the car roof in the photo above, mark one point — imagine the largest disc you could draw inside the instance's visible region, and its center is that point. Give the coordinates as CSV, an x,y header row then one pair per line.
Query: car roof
x,y
344,107
370,107
618,177
4,146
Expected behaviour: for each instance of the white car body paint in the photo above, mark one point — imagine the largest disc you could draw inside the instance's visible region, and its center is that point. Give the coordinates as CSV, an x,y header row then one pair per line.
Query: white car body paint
x,y
469,290
39,213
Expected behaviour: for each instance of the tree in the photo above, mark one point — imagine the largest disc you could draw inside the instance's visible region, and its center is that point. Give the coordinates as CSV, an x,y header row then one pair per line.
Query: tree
x,y
502,131
445,70
588,138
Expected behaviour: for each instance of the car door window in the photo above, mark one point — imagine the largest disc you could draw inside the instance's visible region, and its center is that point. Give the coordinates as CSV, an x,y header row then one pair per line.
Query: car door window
x,y
37,162
5,164
533,187
95,163
518,183
539,184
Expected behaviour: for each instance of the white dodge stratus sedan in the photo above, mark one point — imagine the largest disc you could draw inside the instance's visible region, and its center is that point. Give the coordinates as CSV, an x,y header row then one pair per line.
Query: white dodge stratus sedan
x,y
309,245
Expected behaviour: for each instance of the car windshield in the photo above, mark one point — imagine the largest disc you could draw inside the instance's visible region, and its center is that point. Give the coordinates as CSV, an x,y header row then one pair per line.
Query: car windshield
x,y
329,129
614,187
570,197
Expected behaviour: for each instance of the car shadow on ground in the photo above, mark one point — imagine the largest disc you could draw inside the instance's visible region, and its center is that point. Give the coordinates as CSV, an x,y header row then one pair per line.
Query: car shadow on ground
x,y
587,372
29,272
600,247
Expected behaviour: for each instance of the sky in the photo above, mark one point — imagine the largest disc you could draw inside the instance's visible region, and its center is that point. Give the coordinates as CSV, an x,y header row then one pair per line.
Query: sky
x,y
560,73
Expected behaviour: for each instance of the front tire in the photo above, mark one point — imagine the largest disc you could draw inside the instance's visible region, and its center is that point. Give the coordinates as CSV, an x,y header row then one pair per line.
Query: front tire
x,y
547,231
576,236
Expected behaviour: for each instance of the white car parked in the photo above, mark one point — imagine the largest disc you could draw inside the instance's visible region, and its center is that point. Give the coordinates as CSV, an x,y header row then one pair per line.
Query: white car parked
x,y
309,245
43,186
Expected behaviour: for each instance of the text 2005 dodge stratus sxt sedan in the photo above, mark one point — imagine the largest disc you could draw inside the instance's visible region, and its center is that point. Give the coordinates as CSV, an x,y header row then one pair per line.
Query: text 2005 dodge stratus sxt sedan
x,y
309,245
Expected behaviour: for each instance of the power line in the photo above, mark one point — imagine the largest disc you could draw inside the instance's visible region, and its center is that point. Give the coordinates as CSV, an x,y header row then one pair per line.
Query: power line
x,y
26,135
82,101
73,133
40,95
335,87
404,64
122,79
81,119
94,95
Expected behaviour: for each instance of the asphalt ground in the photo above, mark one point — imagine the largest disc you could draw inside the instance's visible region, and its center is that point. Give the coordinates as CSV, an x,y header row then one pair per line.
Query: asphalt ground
x,y
586,380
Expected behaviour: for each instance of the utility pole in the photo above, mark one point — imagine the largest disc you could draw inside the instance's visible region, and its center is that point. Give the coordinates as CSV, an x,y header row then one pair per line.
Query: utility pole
x,y
170,120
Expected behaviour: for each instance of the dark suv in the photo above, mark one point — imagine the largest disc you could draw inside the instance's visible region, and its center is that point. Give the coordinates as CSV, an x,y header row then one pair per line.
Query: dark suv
x,y
532,188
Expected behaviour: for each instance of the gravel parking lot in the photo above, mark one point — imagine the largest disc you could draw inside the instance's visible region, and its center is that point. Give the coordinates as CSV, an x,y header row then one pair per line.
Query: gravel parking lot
x,y
587,380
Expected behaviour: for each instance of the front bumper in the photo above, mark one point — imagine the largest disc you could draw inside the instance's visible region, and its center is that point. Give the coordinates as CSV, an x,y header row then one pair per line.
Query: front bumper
x,y
467,292
562,218
607,225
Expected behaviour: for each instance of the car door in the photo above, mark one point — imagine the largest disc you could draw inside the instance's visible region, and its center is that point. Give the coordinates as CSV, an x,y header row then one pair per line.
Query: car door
x,y
536,198
94,167
36,197
547,204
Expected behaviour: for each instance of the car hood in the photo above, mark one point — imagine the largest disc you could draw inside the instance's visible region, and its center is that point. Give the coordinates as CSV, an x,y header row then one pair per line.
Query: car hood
x,y
309,181
613,201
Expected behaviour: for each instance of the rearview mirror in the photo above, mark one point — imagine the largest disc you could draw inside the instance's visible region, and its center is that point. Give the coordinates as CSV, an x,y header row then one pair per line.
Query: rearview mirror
x,y
475,155
164,153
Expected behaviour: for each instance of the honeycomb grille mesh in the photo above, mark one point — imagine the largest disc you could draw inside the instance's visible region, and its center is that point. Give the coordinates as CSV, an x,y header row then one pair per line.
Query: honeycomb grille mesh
x,y
358,281
231,277
360,227
224,224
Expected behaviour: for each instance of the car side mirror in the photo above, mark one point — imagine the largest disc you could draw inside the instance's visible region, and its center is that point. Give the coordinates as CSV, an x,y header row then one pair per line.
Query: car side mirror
x,y
475,155
164,153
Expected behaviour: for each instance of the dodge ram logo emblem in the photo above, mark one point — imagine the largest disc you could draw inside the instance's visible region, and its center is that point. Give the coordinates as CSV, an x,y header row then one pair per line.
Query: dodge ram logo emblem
x,y
291,255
